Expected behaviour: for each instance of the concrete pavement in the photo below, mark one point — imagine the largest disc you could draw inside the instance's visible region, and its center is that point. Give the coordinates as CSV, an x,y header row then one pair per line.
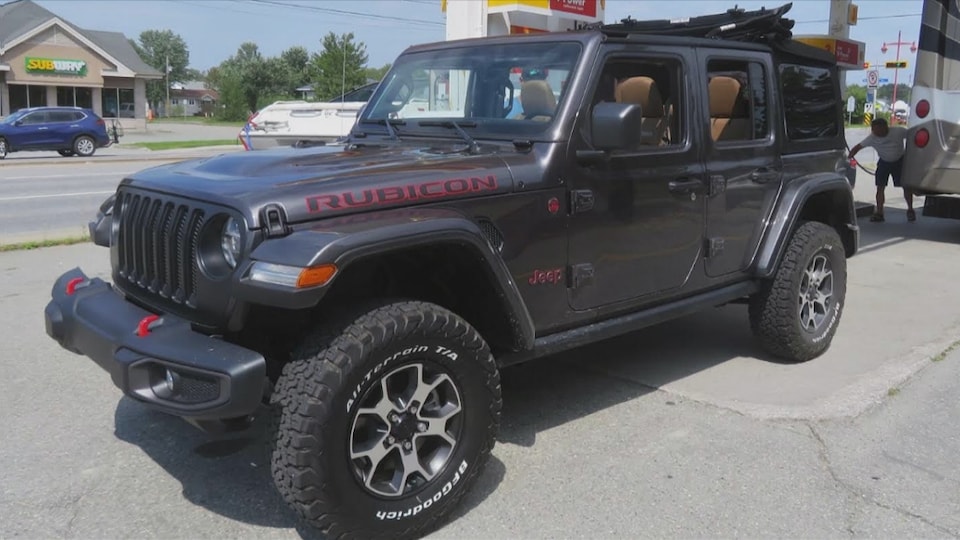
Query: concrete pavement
x,y
682,430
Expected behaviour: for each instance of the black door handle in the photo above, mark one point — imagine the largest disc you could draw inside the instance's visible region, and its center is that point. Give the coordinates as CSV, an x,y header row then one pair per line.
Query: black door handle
x,y
684,186
764,175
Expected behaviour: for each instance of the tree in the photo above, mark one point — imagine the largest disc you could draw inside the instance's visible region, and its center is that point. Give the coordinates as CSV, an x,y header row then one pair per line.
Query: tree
x,y
296,61
376,74
156,48
339,67
246,80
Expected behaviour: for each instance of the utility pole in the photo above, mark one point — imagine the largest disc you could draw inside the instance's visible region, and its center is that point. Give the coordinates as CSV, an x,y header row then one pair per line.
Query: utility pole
x,y
166,105
896,69
839,27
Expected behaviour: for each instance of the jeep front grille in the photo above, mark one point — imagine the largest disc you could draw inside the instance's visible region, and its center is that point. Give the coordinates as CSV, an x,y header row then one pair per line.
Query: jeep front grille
x,y
157,245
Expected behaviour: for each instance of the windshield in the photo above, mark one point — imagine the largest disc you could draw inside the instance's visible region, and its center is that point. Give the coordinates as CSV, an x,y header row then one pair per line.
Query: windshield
x,y
497,90
12,118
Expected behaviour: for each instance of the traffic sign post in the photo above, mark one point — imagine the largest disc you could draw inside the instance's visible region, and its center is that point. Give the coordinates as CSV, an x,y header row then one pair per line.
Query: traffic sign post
x,y
873,77
851,105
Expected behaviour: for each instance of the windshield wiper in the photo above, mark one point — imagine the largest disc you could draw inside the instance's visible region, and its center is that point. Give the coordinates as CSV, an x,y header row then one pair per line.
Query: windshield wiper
x,y
471,143
389,123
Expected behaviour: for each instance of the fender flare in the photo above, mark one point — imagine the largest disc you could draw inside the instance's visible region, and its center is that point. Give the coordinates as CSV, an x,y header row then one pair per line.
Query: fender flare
x,y
787,213
344,241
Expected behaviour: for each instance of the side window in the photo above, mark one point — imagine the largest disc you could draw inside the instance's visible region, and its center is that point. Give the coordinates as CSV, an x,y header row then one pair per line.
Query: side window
x,y
655,86
810,102
77,116
34,118
738,101
60,116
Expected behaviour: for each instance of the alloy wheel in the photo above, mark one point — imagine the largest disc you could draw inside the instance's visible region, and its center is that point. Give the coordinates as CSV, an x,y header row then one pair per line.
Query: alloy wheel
x,y
405,430
816,292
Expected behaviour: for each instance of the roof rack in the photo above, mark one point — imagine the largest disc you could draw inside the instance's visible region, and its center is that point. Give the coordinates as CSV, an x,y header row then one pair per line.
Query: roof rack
x,y
762,25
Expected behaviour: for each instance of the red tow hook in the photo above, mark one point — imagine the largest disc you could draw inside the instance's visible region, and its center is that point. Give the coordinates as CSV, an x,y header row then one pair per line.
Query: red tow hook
x,y
74,284
147,324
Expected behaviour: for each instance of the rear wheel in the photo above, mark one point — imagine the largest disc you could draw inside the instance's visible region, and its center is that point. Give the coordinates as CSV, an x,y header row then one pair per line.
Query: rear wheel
x,y
384,429
796,315
84,146
3,148
65,153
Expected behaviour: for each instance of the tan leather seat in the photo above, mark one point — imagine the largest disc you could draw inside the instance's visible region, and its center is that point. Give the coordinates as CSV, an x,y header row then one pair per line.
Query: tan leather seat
x,y
729,115
644,92
537,100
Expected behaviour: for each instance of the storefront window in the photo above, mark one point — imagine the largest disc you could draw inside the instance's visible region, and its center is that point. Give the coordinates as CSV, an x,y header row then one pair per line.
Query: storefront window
x,y
23,96
84,97
70,96
117,103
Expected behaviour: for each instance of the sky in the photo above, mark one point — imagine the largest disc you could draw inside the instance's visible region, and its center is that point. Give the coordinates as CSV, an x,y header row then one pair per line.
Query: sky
x,y
213,29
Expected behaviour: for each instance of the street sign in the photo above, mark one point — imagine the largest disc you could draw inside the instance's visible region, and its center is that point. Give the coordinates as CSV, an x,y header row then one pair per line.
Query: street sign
x,y
868,107
873,77
883,80
851,104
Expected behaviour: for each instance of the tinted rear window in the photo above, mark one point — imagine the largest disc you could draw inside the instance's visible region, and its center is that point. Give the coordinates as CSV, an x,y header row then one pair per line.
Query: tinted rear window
x,y
810,102
61,116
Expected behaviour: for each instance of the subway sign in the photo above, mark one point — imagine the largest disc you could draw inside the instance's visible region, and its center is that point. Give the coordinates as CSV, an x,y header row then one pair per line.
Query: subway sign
x,y
55,66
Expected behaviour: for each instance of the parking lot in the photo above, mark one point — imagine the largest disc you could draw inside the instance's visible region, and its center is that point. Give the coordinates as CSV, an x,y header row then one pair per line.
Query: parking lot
x,y
685,429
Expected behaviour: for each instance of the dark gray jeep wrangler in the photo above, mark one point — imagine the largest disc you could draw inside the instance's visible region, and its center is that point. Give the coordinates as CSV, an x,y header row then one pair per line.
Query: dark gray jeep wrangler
x,y
498,200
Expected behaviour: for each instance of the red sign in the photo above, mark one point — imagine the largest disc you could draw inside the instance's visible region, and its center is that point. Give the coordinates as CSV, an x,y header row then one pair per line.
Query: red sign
x,y
577,7
847,53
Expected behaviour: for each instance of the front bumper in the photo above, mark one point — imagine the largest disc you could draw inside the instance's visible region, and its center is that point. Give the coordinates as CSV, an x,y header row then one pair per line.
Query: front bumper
x,y
164,363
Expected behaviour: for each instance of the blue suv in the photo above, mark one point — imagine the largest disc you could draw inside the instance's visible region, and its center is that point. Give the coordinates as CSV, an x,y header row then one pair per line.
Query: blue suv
x,y
68,130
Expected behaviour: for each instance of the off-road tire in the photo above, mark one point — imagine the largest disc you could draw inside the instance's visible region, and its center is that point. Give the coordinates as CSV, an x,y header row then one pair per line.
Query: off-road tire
x,y
318,397
84,146
776,310
66,153
3,148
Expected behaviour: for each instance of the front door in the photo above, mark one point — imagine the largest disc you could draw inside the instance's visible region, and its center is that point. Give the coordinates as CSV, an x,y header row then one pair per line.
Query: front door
x,y
30,131
637,218
742,159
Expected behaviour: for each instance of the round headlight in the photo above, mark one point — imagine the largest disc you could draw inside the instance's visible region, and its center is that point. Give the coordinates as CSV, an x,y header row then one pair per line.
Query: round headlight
x,y
230,241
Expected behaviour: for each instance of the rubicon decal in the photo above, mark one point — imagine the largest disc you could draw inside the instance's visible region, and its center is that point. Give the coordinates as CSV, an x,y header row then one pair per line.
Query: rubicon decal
x,y
397,194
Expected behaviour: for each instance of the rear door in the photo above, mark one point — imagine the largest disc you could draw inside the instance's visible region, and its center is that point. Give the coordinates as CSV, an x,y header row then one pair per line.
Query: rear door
x,y
64,125
744,168
637,218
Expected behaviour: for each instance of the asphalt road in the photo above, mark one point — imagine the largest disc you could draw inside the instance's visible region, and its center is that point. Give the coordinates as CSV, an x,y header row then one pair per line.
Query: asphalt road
x,y
683,430
44,197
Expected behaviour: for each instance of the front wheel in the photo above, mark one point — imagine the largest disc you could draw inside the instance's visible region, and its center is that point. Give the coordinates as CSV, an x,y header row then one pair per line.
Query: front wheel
x,y
84,146
795,316
3,148
382,430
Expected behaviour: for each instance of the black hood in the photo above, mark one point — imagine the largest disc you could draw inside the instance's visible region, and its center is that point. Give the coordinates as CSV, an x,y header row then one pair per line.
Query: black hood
x,y
313,183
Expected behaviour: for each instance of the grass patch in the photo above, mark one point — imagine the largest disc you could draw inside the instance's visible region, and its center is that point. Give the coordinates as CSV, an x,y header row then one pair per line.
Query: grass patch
x,y
893,391
946,352
176,145
69,241
197,120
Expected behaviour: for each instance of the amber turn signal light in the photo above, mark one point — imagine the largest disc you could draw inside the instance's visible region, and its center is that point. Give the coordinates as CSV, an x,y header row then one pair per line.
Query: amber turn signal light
x,y
316,275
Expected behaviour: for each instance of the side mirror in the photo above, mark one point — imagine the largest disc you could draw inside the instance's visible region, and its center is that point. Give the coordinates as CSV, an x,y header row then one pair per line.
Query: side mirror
x,y
616,126
18,123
